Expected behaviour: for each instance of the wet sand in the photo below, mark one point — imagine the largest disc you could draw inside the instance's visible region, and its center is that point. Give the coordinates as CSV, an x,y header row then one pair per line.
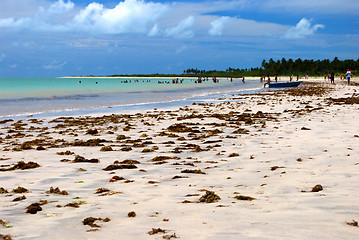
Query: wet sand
x,y
275,165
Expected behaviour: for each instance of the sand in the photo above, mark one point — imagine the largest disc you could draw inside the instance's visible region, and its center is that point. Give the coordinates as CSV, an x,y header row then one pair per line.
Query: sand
x,y
276,165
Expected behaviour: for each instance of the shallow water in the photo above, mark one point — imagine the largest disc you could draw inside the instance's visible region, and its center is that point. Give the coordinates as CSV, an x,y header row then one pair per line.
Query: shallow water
x,y
71,96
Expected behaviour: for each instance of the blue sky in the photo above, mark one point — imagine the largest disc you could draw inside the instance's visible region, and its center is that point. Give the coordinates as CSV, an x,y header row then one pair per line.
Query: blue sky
x,y
49,38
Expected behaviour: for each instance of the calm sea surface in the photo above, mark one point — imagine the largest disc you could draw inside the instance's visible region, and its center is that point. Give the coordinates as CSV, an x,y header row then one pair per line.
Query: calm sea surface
x,y
74,96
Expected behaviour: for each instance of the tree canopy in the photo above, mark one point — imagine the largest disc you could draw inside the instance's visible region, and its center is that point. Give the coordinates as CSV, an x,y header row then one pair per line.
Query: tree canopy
x,y
308,67
284,67
271,67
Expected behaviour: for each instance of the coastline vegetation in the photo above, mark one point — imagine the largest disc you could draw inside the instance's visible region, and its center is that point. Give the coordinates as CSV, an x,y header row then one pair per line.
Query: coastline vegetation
x,y
281,67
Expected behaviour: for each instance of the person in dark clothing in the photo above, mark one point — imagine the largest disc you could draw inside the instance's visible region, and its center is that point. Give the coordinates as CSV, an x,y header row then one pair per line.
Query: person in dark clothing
x,y
332,78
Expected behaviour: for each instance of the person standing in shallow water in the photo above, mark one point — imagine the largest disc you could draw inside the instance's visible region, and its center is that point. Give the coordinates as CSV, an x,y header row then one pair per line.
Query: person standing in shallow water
x,y
267,82
349,73
332,78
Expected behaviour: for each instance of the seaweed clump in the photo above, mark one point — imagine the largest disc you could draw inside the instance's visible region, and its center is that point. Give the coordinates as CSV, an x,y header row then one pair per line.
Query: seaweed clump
x,y
21,165
179,128
102,190
33,208
196,171
317,188
91,221
2,222
75,204
20,190
176,177
209,197
162,158
3,190
106,149
156,230
131,214
146,150
241,131
65,153
233,155
5,121
57,191
119,166
92,132
80,159
89,143
275,168
129,162
349,100
19,198
309,89
5,237
244,198
353,223
116,178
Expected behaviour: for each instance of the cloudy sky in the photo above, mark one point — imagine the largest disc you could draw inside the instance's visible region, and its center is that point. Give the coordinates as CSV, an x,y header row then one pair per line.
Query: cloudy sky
x,y
49,38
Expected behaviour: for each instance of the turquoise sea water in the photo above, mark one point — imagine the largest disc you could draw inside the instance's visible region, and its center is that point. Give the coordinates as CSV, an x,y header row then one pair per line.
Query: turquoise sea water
x,y
74,96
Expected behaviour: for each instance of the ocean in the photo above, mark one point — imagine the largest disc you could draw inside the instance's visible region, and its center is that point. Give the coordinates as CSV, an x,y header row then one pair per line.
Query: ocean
x,y
43,97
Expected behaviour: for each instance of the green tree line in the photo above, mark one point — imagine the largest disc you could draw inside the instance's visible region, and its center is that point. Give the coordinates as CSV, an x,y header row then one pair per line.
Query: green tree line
x,y
271,67
284,67
308,67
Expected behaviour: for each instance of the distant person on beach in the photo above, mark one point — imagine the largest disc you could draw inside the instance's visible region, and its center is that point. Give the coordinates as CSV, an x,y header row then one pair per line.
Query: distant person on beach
x,y
325,76
349,73
332,78
267,82
243,79
276,77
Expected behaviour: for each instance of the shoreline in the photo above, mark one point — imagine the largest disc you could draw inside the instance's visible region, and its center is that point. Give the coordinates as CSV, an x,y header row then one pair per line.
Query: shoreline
x,y
130,77
285,78
121,100
230,170
107,107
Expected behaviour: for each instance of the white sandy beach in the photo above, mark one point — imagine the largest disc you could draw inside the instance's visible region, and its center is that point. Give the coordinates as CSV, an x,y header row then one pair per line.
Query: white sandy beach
x,y
273,147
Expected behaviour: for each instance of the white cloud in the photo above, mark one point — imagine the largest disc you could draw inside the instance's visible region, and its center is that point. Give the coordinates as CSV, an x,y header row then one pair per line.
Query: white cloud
x,y
239,27
44,20
12,23
183,29
129,16
55,65
154,31
176,19
303,29
58,7
217,26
